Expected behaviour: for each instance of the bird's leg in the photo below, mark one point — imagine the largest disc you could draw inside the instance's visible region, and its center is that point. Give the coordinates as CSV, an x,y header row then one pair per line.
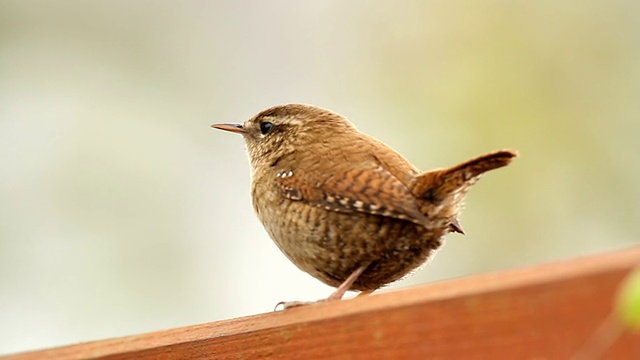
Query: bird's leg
x,y
346,285
336,295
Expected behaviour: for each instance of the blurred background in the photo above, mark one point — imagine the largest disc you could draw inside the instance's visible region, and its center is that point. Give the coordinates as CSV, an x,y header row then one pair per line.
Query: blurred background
x,y
122,212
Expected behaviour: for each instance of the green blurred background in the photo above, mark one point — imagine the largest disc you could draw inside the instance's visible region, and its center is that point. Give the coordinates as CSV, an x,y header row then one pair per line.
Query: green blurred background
x,y
122,212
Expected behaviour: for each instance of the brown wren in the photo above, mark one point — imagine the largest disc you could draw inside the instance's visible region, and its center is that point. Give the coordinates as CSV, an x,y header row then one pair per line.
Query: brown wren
x,y
344,207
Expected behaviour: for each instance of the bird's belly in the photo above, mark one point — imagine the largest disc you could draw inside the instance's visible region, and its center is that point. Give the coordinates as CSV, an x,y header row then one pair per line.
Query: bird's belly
x,y
330,245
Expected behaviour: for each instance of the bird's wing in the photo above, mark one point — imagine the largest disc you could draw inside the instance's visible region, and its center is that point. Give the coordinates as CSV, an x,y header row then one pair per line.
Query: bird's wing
x,y
369,189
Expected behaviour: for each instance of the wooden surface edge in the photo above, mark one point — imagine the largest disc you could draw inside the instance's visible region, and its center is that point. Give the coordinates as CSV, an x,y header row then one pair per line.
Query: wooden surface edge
x,y
620,261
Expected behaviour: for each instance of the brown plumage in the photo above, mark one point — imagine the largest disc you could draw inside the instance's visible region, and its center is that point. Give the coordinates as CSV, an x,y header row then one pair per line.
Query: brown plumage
x,y
338,202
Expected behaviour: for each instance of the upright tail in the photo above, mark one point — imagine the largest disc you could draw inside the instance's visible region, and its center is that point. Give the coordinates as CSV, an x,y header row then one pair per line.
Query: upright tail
x,y
445,188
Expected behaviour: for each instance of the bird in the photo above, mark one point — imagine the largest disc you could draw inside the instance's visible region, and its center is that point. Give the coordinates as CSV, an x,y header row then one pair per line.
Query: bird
x,y
343,206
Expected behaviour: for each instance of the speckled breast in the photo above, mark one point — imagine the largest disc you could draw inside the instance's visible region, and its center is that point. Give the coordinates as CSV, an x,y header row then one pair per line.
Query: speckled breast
x,y
330,245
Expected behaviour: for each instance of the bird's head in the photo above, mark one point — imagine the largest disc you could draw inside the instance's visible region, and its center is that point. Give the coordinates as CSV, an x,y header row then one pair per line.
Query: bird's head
x,y
284,129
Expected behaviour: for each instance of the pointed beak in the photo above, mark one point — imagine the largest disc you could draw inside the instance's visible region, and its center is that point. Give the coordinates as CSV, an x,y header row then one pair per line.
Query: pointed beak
x,y
236,128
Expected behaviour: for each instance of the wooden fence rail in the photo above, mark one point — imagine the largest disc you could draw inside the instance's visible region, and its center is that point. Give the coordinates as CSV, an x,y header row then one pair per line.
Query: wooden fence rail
x,y
550,311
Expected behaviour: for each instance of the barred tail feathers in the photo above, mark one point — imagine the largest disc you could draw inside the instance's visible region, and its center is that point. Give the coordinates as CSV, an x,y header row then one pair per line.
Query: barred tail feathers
x,y
447,187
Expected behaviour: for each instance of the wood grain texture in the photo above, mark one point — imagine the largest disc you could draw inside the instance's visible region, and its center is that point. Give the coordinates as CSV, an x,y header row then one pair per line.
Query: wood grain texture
x,y
543,312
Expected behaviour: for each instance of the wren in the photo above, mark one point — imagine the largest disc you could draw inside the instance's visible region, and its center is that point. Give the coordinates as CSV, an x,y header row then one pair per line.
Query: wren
x,y
344,207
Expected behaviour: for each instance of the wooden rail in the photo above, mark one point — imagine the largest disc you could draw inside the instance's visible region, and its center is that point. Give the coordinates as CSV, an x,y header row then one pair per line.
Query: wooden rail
x,y
550,311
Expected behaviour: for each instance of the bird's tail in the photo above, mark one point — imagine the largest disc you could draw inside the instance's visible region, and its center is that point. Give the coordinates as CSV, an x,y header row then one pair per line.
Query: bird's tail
x,y
446,187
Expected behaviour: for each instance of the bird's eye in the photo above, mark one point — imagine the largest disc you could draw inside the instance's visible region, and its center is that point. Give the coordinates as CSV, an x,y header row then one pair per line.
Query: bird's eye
x,y
265,127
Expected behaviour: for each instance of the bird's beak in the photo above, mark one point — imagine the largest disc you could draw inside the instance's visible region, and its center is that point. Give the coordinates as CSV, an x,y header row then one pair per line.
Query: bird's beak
x,y
236,128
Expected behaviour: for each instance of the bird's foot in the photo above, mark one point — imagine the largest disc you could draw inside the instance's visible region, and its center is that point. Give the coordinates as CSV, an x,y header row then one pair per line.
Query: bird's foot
x,y
293,304
336,295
